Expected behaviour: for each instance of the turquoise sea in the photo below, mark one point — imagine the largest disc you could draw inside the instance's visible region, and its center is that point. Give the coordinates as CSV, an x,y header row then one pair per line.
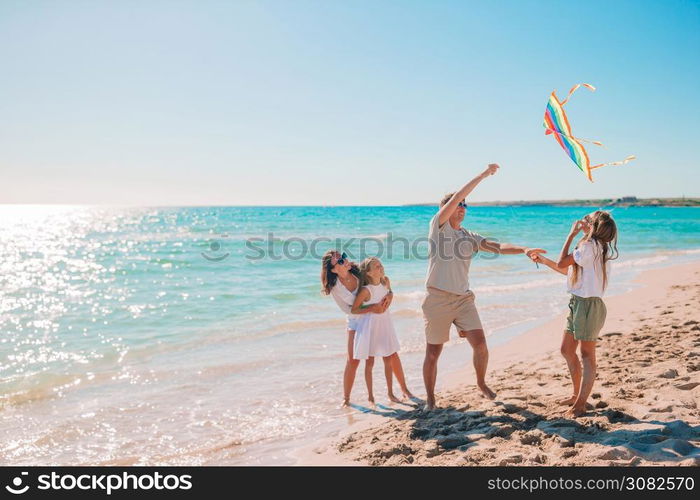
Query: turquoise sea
x,y
199,335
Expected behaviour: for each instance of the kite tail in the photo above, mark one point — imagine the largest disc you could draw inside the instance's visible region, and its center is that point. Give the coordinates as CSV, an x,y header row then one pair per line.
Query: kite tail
x,y
575,88
626,160
597,143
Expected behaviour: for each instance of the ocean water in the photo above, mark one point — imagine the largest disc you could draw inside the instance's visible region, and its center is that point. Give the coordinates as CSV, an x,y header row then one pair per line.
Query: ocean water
x,y
199,335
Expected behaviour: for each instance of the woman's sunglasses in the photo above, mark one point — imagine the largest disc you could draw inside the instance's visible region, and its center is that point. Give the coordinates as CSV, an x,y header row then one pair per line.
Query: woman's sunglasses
x,y
463,205
342,259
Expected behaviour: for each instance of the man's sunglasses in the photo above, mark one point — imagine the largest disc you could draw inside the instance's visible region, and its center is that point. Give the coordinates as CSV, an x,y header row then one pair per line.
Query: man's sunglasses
x,y
463,205
342,259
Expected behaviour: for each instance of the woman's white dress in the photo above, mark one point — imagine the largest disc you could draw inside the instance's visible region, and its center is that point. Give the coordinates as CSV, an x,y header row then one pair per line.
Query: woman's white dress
x,y
375,334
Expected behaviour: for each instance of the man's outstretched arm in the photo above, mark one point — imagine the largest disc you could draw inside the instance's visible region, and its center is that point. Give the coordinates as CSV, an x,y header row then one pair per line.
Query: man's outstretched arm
x,y
446,212
492,246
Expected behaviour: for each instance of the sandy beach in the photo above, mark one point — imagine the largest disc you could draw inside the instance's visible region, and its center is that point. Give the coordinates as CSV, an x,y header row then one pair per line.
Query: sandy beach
x,y
643,409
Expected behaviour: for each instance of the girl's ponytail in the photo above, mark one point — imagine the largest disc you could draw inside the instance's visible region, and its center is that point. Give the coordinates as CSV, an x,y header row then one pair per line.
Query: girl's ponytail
x,y
604,234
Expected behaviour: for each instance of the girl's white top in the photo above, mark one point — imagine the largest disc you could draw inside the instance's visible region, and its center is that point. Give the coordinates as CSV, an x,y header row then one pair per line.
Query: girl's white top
x,y
588,255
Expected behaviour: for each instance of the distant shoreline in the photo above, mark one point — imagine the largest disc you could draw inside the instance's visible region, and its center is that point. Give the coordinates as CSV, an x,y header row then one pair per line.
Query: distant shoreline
x,y
629,201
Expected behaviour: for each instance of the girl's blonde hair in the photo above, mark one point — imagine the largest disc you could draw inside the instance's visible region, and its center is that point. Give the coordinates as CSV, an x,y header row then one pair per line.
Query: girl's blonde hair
x,y
364,269
604,233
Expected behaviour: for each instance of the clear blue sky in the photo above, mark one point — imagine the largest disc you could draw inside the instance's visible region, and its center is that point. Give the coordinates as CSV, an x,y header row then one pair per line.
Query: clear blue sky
x,y
341,102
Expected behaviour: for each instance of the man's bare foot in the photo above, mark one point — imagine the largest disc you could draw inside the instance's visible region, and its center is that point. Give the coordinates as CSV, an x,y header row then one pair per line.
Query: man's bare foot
x,y
430,404
346,403
394,399
567,401
488,393
575,411
371,400
407,394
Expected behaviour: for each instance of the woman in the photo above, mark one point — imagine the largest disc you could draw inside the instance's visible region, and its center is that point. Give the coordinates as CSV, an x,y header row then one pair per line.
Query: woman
x,y
340,279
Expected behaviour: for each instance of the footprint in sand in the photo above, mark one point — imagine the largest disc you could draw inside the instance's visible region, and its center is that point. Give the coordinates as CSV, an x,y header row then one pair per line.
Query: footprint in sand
x,y
617,453
662,409
516,397
512,408
688,387
670,373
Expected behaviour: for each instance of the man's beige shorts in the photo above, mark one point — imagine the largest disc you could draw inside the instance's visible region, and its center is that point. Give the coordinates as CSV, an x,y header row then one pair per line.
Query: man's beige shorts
x,y
442,309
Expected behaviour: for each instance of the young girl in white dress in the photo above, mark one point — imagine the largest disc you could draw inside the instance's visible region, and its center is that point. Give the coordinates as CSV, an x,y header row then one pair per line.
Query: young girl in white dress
x,y
375,334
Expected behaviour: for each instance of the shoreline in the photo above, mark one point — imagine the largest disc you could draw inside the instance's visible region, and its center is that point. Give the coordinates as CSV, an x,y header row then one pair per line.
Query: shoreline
x,y
625,201
617,202
537,347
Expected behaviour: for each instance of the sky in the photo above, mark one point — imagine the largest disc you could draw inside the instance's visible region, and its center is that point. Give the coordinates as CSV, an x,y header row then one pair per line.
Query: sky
x,y
341,102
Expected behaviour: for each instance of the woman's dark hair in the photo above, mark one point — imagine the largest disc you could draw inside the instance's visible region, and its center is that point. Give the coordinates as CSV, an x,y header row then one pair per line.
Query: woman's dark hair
x,y
328,277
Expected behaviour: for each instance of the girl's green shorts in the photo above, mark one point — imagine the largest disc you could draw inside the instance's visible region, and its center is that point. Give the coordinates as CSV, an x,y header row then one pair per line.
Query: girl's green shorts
x,y
586,317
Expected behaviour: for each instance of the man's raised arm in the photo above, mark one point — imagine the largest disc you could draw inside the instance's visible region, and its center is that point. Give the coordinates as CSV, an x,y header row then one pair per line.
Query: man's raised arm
x,y
446,212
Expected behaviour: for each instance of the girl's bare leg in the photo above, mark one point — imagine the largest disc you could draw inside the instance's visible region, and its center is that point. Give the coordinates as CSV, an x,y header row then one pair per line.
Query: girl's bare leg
x,y
388,373
398,372
369,364
350,369
568,350
588,379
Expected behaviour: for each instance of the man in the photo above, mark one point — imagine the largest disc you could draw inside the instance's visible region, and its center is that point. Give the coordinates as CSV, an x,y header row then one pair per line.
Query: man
x,y
449,299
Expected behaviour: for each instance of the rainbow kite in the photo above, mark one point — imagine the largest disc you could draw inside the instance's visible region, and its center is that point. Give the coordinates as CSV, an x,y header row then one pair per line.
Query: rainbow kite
x,y
556,122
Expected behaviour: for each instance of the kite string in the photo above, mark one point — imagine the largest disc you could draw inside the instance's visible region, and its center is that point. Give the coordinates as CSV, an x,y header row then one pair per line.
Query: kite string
x,y
575,88
597,143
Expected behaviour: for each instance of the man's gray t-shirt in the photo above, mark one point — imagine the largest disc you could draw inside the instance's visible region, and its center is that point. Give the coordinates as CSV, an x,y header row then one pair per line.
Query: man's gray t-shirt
x,y
451,252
